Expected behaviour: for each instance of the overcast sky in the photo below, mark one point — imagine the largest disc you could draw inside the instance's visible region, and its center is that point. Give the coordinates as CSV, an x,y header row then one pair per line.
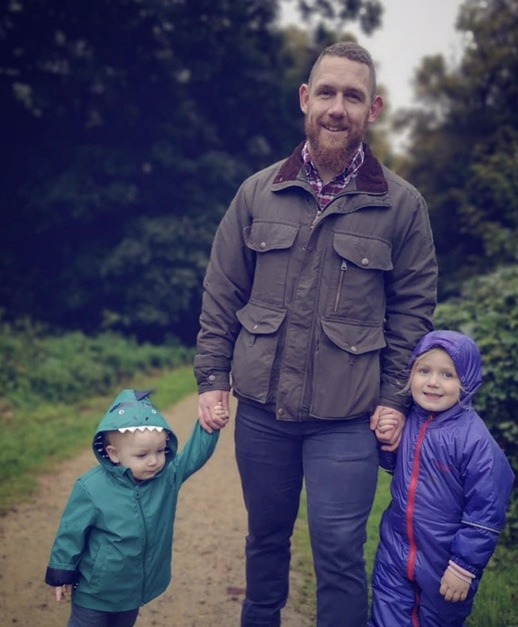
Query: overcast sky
x,y
411,30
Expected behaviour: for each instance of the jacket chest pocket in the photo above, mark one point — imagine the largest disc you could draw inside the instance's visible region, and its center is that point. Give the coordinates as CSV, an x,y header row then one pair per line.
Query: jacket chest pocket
x,y
357,276
273,244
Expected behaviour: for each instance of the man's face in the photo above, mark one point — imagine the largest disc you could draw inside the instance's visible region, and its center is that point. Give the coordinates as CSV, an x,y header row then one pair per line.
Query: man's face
x,y
338,107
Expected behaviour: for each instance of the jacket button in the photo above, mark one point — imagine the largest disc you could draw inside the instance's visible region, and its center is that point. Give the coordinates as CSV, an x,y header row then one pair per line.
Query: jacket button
x,y
354,349
262,244
256,326
212,378
280,412
365,261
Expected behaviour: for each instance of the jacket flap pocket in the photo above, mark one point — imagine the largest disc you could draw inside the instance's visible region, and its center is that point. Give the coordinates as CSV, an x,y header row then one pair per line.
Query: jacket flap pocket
x,y
371,254
265,236
259,319
354,338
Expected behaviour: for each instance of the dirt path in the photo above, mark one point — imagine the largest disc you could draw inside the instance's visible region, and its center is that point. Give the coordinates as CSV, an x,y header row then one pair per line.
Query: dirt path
x,y
208,579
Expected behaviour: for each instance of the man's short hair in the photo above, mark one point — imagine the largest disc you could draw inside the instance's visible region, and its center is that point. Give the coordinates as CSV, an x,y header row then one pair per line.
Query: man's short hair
x,y
352,51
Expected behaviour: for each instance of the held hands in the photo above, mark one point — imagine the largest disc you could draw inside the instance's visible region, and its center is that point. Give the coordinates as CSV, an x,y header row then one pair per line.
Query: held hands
x,y
63,592
387,424
455,583
213,412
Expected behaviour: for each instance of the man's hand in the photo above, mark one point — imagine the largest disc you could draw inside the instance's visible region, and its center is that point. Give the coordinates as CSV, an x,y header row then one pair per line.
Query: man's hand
x,y
213,412
455,583
387,424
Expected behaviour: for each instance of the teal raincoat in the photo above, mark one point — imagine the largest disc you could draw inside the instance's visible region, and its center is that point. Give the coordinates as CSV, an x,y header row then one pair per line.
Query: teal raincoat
x,y
114,542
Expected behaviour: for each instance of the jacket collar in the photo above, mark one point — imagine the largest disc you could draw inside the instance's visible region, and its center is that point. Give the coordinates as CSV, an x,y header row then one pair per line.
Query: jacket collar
x,y
369,178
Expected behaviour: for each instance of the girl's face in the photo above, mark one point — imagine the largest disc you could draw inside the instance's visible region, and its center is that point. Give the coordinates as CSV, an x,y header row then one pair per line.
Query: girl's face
x,y
434,383
143,452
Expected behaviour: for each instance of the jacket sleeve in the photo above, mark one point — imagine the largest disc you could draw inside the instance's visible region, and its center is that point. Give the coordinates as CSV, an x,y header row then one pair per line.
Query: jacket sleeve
x,y
196,452
227,287
71,538
411,291
488,481
387,460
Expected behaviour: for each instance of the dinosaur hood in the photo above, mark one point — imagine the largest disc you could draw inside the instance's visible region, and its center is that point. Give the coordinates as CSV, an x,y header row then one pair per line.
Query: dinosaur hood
x,y
132,410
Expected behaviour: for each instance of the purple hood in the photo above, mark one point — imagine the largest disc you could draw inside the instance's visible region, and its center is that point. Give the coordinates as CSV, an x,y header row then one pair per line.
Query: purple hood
x,y
463,352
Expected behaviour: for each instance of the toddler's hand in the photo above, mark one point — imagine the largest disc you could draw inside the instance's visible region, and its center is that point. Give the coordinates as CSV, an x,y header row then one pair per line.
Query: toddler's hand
x,y
222,415
63,592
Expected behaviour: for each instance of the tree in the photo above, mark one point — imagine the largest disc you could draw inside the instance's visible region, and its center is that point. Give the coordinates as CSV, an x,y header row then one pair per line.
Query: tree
x,y
463,151
129,125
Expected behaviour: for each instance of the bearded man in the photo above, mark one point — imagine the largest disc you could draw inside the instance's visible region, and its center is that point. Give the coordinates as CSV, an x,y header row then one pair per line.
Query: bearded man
x,y
322,279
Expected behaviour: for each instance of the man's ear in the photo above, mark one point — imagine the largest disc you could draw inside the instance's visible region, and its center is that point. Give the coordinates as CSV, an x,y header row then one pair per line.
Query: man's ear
x,y
304,97
375,109
111,451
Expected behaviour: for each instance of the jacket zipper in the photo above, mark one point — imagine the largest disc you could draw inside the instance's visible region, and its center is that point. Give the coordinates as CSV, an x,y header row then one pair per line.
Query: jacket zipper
x,y
343,269
144,544
412,491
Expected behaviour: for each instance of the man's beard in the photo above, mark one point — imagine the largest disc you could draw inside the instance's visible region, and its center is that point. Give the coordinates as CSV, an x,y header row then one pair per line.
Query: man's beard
x,y
333,156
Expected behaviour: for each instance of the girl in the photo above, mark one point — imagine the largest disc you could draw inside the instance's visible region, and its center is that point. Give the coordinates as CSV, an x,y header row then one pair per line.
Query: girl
x,y
450,492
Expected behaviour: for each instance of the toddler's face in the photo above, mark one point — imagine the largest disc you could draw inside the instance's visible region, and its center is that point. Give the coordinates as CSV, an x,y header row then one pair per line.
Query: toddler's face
x,y
143,452
434,384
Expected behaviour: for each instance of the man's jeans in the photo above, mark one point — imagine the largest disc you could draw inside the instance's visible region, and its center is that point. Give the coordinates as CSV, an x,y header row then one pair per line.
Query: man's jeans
x,y
338,462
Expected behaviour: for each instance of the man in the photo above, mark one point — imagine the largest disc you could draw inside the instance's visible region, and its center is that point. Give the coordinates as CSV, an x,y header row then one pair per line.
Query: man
x,y
322,278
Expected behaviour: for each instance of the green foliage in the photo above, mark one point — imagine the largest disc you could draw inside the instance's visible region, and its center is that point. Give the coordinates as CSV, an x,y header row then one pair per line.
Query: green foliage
x,y
487,311
38,368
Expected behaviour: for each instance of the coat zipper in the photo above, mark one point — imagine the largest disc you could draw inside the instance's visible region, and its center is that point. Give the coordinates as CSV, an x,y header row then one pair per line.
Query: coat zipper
x,y
412,491
343,269
144,547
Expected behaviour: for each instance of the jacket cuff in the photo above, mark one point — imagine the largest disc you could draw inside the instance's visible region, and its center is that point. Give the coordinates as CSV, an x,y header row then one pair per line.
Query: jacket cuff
x,y
456,561
56,577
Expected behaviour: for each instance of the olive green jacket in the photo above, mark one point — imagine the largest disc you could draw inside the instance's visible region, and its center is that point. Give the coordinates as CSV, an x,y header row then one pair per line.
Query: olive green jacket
x,y
315,314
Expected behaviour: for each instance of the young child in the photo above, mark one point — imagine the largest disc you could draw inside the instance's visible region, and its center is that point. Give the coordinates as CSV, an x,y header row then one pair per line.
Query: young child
x,y
450,493
113,548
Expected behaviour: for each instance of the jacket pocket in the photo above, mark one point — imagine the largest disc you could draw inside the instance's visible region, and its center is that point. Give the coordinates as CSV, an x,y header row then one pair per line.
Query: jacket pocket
x,y
255,350
359,276
272,242
346,369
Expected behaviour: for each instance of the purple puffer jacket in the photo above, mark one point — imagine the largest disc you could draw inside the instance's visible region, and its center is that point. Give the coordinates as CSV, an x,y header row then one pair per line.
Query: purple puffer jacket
x,y
450,493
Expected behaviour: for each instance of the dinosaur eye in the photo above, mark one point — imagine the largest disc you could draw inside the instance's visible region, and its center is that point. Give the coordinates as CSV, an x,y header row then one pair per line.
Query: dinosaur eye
x,y
121,411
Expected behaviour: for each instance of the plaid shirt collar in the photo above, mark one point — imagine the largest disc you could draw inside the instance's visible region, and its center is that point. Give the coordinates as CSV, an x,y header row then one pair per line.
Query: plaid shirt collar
x,y
326,193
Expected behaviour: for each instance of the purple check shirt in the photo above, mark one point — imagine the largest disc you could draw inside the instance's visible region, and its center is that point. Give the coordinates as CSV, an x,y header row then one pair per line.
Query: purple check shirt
x,y
326,193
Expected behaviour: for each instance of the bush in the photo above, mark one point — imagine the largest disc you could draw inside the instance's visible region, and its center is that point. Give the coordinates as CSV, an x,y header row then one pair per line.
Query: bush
x,y
487,311
40,368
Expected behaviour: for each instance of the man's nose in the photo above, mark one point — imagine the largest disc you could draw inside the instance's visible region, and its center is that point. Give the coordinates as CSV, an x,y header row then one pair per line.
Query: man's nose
x,y
338,105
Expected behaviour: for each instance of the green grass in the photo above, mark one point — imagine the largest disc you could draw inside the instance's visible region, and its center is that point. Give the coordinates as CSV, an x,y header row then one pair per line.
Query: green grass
x,y
497,598
35,439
